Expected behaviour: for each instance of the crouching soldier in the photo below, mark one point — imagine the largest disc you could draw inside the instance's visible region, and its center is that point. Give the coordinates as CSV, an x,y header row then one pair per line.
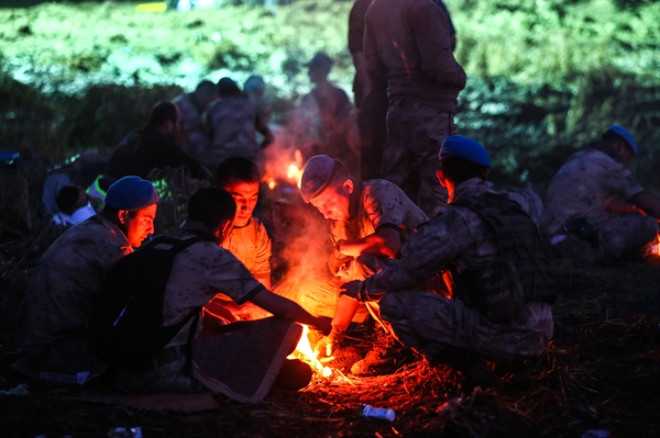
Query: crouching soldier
x,y
56,311
241,359
595,210
498,300
369,222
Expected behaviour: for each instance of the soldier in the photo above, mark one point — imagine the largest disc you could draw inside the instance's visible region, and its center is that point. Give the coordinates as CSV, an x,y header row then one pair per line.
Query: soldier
x,y
369,222
57,305
233,124
248,239
192,107
254,88
240,359
594,208
370,99
423,80
497,302
326,113
154,147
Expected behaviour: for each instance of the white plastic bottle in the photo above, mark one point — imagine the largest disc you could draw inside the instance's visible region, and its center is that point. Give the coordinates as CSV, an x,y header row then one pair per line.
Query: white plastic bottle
x,y
382,413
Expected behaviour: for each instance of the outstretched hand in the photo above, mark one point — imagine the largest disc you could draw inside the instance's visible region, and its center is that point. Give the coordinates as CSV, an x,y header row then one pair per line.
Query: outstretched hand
x,y
328,344
352,289
323,325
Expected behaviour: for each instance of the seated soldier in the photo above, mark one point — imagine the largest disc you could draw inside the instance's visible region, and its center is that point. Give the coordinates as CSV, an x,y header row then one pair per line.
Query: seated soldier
x,y
248,239
75,204
154,147
497,303
57,304
233,124
240,359
369,222
192,107
595,210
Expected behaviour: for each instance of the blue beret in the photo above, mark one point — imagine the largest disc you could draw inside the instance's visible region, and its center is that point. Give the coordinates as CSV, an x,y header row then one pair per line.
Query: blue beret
x,y
625,135
316,176
131,193
458,146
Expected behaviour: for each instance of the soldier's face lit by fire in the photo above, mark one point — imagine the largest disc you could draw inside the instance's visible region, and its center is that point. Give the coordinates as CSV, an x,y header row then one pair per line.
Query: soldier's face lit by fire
x,y
334,201
246,195
139,225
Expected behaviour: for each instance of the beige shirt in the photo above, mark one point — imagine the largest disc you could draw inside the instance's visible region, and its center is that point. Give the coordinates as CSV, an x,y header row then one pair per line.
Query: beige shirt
x,y
583,187
252,246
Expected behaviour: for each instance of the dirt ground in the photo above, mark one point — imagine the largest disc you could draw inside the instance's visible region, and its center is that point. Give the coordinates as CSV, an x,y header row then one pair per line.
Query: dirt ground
x,y
599,373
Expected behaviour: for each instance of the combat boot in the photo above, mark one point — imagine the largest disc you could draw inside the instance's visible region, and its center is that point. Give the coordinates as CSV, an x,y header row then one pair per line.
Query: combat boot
x,y
386,356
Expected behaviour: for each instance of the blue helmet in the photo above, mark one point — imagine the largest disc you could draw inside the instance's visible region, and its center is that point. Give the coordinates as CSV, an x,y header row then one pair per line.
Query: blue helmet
x,y
625,136
458,146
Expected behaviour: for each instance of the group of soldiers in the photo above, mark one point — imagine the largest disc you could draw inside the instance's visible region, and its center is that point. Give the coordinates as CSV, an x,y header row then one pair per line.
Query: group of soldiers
x,y
453,270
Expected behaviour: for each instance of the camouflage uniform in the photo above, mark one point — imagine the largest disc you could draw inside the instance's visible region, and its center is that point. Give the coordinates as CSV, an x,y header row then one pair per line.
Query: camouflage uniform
x,y
459,239
582,189
326,121
241,361
379,203
232,124
423,82
192,126
58,302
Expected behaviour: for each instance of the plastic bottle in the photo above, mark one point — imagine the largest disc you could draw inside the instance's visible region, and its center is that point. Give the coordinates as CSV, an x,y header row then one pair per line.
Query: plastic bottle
x,y
125,432
382,413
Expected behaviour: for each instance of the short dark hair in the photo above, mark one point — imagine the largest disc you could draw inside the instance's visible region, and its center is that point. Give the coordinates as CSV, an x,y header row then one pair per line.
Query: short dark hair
x,y
163,112
228,88
211,206
206,88
458,170
67,198
236,168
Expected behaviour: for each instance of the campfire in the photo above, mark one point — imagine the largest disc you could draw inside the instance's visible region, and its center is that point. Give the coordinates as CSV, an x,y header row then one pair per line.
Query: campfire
x,y
305,353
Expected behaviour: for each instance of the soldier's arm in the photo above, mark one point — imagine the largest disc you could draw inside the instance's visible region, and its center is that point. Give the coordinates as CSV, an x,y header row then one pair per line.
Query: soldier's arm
x,y
648,203
386,240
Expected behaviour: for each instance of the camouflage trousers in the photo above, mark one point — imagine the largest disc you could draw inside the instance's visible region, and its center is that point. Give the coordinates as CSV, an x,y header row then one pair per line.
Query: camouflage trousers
x,y
430,322
612,240
410,157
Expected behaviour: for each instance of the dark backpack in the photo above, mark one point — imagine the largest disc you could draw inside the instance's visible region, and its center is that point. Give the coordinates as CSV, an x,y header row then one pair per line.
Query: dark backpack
x,y
126,327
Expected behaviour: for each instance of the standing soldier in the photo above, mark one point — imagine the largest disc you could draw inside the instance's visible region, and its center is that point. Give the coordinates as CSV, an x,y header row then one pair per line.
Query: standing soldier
x,y
408,46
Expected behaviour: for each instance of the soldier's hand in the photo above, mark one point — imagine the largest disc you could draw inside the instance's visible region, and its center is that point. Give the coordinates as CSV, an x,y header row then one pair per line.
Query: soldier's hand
x,y
353,289
328,344
324,325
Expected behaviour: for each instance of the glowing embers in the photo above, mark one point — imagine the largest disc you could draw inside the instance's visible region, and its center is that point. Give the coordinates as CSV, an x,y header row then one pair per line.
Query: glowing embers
x,y
305,353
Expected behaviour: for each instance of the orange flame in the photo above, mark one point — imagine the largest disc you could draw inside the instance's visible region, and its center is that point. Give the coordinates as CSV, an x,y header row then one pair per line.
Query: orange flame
x,y
283,169
305,353
654,248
